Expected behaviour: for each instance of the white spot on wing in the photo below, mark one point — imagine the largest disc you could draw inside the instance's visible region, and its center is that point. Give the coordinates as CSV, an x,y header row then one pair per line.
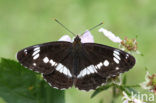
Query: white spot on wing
x,y
25,51
37,48
91,69
63,69
106,63
83,72
58,68
46,60
45,80
127,55
116,60
55,87
36,56
99,65
68,73
117,68
50,84
35,52
34,64
116,52
88,70
52,62
94,69
116,56
80,75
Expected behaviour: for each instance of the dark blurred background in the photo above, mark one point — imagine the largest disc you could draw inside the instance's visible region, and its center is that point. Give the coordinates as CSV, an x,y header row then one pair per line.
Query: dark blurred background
x,y
27,22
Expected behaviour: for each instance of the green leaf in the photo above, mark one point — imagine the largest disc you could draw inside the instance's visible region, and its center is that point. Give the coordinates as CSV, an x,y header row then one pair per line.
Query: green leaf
x,y
2,100
20,85
100,89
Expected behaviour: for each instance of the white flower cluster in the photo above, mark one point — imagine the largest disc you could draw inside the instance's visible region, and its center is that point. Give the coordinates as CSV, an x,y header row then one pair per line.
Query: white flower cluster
x,y
144,85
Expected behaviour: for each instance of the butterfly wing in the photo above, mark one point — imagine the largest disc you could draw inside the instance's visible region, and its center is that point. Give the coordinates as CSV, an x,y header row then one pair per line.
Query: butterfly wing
x,y
44,57
100,63
52,59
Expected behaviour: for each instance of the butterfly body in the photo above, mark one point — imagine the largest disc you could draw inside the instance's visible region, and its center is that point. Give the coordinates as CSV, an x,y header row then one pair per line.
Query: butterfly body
x,y
84,65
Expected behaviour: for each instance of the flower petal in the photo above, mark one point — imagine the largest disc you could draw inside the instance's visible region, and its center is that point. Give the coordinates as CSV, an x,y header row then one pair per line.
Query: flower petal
x,y
65,38
110,35
87,37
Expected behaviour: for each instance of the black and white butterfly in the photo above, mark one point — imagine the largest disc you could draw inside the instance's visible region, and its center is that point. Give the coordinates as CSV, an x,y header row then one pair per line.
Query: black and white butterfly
x,y
84,65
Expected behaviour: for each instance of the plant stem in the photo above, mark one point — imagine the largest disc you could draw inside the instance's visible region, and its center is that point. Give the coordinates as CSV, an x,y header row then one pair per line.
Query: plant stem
x,y
114,94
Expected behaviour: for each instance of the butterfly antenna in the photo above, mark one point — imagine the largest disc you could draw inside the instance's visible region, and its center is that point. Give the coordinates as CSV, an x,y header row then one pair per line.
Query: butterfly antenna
x,y
64,27
93,27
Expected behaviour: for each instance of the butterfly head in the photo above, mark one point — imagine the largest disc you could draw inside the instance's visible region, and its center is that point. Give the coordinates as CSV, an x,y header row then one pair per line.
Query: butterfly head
x,y
77,39
77,42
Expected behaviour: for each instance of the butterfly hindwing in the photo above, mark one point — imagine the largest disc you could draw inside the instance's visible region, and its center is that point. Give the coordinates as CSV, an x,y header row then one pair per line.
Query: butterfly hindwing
x,y
101,62
58,80
90,82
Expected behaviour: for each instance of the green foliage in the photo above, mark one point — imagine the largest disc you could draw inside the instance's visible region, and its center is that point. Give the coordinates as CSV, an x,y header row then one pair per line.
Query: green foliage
x,y
117,89
100,89
20,85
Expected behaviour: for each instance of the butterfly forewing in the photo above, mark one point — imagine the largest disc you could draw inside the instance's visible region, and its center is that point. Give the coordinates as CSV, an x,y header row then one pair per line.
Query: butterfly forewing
x,y
46,57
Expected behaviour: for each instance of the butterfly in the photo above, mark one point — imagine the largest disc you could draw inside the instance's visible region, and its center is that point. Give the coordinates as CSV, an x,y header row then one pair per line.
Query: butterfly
x,y
84,65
